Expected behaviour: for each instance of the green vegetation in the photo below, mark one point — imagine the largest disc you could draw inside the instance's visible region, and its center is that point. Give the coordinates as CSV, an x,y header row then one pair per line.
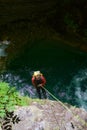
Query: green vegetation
x,y
9,98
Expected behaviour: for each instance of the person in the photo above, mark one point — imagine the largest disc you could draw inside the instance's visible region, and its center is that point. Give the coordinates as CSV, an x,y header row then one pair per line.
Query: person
x,y
39,81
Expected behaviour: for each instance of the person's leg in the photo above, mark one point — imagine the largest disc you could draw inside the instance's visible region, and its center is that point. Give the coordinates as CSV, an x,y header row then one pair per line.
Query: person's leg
x,y
38,92
44,93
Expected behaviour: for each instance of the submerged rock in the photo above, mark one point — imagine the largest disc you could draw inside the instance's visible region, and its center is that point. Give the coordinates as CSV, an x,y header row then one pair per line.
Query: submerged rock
x,y
50,115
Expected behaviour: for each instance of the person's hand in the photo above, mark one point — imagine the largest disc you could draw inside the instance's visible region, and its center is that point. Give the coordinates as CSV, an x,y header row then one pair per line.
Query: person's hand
x,y
40,85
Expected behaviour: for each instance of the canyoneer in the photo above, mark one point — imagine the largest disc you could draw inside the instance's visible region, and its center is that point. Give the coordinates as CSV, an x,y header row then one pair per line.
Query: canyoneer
x,y
39,81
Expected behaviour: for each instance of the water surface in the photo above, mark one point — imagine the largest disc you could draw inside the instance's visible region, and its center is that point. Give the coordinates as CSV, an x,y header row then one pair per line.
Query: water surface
x,y
65,70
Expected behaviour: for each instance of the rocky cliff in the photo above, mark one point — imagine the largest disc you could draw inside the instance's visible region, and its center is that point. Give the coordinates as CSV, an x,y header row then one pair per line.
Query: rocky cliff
x,y
26,21
50,115
17,10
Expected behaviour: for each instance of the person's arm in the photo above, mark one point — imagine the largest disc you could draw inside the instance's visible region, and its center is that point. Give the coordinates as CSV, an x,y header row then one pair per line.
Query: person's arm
x,y
33,81
43,80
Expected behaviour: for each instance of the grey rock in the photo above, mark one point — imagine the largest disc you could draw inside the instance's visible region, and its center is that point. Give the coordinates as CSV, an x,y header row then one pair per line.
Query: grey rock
x,y
50,116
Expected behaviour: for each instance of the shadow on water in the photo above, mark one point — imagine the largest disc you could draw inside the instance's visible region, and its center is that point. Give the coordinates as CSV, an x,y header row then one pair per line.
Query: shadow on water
x,y
64,69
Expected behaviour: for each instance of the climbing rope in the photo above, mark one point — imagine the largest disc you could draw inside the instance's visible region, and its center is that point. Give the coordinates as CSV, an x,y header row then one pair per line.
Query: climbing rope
x,y
76,116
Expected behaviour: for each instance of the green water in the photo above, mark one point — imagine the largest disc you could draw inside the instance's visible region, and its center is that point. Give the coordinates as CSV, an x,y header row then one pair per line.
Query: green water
x,y
63,68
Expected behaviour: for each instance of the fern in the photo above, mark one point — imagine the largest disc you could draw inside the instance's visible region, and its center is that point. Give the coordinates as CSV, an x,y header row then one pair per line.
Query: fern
x,y
9,97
